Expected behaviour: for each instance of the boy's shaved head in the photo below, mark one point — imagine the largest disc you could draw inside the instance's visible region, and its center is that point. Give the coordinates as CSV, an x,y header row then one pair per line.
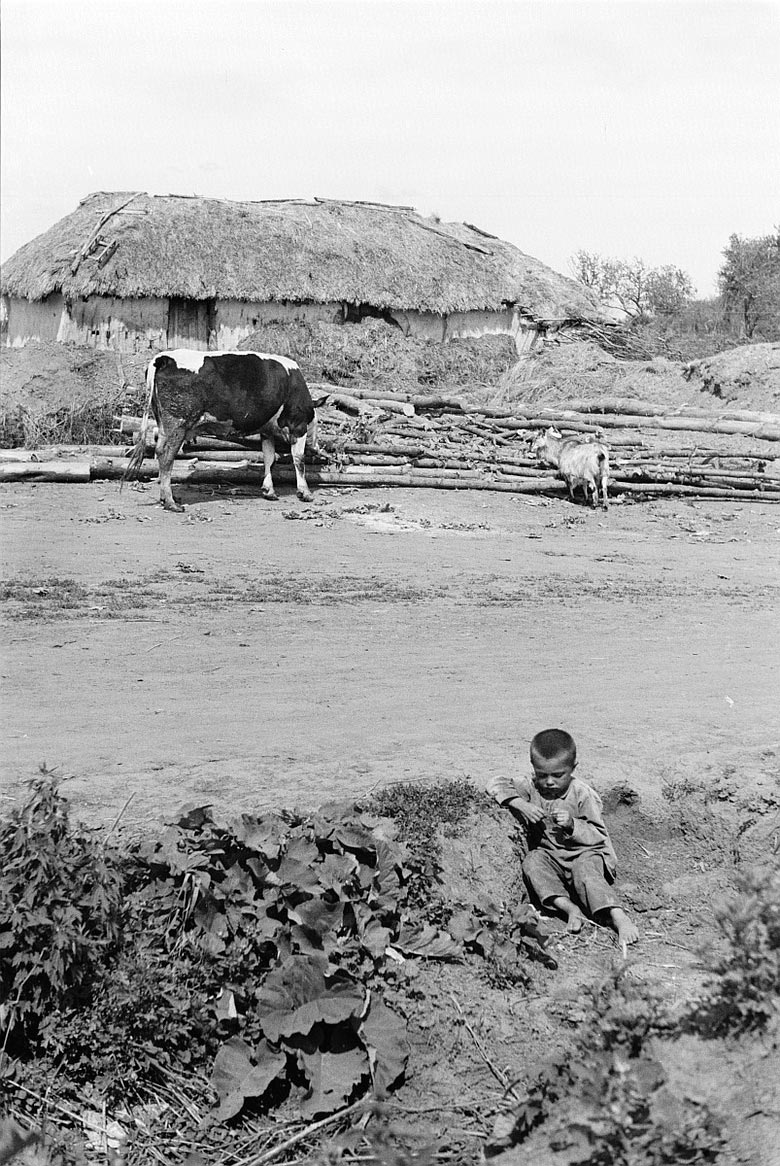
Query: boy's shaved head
x,y
553,743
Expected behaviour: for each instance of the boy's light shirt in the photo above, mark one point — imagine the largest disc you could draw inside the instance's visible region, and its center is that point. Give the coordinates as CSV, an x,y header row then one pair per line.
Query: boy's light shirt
x,y
584,804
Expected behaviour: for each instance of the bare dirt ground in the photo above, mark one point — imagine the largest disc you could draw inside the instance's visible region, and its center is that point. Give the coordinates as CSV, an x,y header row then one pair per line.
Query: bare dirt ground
x,y
256,655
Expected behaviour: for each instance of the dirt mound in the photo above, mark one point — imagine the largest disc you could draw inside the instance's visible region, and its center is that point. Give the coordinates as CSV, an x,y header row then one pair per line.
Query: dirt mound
x,y
748,377
377,354
52,393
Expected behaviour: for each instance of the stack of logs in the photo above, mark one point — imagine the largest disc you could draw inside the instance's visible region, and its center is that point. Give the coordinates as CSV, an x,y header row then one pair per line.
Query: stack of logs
x,y
397,439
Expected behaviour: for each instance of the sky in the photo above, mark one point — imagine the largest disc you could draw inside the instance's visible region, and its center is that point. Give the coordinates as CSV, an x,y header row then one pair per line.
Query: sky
x,y
629,129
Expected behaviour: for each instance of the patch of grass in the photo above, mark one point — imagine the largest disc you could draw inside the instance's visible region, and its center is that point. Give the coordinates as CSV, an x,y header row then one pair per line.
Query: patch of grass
x,y
420,813
51,590
50,597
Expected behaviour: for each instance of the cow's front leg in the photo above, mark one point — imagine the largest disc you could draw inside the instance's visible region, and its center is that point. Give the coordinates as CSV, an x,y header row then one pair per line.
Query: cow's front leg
x,y
297,449
269,457
168,445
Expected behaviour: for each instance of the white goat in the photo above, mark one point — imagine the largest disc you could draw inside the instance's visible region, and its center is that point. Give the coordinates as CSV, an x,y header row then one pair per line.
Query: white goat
x,y
581,463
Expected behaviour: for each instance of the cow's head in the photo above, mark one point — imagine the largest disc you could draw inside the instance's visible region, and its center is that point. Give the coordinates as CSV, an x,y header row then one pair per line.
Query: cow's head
x,y
296,422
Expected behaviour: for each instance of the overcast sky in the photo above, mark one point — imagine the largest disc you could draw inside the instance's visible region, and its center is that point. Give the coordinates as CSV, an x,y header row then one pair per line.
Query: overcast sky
x,y
629,129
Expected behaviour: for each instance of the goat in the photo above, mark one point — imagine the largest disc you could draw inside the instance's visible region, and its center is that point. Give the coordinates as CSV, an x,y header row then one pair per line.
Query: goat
x,y
580,463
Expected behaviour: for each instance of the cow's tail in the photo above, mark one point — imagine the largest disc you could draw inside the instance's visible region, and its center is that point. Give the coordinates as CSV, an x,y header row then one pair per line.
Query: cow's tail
x,y
139,449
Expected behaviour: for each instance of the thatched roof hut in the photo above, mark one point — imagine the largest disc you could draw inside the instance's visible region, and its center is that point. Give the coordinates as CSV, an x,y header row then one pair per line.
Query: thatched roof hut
x,y
133,270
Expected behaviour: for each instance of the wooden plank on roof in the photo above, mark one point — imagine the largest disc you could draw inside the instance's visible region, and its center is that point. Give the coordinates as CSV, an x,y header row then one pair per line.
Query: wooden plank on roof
x,y
85,250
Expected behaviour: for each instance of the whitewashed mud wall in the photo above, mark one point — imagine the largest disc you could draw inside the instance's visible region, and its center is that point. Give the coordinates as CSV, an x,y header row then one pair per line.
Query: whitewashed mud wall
x,y
141,325
132,325
470,325
235,320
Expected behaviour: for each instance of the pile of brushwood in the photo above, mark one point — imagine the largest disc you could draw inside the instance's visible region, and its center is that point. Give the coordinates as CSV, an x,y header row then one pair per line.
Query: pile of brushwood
x,y
368,438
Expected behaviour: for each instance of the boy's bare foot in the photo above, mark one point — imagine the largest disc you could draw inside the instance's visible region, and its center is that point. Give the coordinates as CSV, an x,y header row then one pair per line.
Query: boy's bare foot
x,y
627,931
571,912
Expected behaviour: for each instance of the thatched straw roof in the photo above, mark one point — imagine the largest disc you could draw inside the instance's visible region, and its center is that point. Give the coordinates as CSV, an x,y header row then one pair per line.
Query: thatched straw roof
x,y
137,245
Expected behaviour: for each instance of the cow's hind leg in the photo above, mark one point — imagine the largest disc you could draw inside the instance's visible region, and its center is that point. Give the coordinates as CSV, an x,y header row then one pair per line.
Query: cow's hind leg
x,y
269,457
169,442
298,449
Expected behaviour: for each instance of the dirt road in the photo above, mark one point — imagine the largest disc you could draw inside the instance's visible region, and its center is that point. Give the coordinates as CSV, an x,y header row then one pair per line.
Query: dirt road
x,y
252,654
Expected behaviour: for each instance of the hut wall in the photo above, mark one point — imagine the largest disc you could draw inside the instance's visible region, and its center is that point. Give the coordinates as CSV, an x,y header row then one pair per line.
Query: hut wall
x,y
132,325
470,325
31,320
126,325
144,324
234,320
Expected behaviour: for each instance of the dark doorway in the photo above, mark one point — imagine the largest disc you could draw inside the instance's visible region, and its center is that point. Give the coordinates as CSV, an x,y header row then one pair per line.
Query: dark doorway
x,y
190,322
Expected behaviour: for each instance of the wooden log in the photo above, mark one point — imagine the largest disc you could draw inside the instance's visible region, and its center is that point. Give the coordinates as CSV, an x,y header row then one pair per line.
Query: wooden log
x,y
545,485
191,470
630,407
673,488
565,419
55,471
417,478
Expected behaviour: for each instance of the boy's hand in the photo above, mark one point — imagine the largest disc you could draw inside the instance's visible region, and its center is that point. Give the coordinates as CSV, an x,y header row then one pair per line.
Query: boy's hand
x,y
564,819
527,810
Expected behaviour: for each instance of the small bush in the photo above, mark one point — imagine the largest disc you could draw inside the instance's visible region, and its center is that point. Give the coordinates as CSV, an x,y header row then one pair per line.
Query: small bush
x,y
745,996
60,907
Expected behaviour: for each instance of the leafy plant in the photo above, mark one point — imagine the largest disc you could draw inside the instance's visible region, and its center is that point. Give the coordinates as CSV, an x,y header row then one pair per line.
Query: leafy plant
x,y
745,995
506,937
60,901
420,812
605,1102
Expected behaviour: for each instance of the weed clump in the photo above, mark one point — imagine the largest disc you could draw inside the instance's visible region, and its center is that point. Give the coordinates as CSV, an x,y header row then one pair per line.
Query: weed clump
x,y
745,994
60,907
420,813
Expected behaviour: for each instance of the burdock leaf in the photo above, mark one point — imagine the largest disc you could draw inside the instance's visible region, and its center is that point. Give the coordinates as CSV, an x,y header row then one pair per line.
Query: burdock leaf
x,y
231,1065
239,1072
333,1078
427,941
269,1065
384,1034
296,995
261,834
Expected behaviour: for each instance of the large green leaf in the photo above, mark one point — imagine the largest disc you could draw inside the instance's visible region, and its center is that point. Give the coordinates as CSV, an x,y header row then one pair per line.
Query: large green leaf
x,y
386,878
333,1078
261,834
293,872
335,870
384,1034
427,941
296,995
354,837
231,1065
318,915
240,1072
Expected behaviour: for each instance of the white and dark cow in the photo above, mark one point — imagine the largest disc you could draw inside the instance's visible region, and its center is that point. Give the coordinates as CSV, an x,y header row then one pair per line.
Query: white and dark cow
x,y
248,392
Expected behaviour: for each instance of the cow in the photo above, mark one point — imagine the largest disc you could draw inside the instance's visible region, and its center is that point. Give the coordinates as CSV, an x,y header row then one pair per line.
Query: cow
x,y
580,463
247,392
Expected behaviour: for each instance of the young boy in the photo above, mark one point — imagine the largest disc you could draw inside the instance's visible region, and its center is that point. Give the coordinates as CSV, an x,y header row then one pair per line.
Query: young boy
x,y
570,855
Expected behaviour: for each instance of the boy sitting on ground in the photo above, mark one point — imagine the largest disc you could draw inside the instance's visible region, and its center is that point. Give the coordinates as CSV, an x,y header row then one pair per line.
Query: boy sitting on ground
x,y
570,862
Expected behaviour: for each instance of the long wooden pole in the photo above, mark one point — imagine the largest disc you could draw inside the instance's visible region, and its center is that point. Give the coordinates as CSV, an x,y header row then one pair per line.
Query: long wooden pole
x,y
60,471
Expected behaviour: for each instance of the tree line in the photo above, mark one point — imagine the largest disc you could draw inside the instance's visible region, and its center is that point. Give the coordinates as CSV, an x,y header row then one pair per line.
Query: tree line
x,y
662,301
